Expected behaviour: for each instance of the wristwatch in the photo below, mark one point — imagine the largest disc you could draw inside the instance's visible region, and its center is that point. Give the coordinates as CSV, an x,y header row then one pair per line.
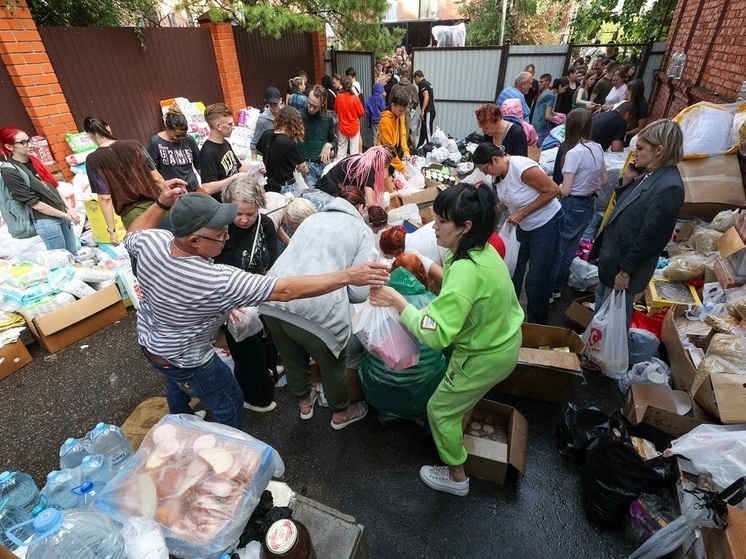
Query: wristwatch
x,y
624,274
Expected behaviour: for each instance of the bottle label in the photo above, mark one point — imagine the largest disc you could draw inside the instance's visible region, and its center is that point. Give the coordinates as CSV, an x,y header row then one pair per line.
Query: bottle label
x,y
281,536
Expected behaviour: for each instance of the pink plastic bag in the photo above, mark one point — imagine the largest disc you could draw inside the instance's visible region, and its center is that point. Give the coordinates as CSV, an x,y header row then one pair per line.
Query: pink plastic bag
x,y
381,333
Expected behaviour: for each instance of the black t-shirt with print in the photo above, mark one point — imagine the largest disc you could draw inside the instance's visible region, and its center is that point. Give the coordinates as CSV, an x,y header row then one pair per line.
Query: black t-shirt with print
x,y
217,162
237,249
280,155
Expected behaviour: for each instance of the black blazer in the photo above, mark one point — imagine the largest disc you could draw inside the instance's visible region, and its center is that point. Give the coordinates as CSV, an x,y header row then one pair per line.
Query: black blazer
x,y
639,227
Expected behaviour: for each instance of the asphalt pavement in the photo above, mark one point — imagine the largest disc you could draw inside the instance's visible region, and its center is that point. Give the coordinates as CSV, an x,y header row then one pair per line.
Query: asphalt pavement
x,y
367,470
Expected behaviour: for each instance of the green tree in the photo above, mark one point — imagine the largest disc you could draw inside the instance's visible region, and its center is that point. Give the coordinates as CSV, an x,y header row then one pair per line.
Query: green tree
x,y
527,22
635,22
93,13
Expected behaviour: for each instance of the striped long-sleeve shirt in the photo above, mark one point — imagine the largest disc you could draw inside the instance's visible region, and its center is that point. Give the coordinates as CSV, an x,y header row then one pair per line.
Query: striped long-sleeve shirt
x,y
186,299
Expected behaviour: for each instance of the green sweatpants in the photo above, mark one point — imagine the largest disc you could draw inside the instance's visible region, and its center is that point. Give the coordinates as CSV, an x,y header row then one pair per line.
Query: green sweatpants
x,y
468,378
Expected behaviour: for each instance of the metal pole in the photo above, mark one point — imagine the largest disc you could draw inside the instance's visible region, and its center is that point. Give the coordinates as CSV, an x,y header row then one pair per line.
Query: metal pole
x,y
502,25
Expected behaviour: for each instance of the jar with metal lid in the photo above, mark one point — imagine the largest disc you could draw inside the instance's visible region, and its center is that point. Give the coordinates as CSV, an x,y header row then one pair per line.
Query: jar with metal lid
x,y
289,539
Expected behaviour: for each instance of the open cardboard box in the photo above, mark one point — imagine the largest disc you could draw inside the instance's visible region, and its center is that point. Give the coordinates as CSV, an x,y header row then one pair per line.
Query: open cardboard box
x,y
13,357
711,185
653,404
731,248
544,374
65,326
492,460
578,313
724,396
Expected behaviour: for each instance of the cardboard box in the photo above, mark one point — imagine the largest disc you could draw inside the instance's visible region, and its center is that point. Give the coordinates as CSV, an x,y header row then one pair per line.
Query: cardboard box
x,y
653,404
661,295
60,328
731,248
578,313
543,374
729,543
726,275
13,357
98,224
723,397
427,214
711,185
492,460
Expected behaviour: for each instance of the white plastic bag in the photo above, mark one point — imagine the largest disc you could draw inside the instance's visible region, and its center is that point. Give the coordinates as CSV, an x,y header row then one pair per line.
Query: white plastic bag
x,y
409,212
606,337
509,236
381,333
439,138
300,182
247,325
707,130
717,449
416,178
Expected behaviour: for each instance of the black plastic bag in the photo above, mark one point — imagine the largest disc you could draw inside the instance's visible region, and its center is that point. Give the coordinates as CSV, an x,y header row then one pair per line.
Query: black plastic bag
x,y
264,515
580,427
614,474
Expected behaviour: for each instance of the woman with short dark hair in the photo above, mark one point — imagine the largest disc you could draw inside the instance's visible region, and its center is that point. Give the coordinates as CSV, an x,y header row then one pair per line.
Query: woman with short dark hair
x,y
280,153
476,313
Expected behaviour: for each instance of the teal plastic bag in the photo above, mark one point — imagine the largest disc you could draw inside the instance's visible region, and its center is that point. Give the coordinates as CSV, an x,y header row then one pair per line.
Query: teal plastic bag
x,y
403,393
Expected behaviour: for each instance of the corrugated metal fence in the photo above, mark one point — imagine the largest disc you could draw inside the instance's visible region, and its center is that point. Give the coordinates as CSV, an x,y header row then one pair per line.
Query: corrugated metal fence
x,y
109,73
266,62
363,63
12,112
463,79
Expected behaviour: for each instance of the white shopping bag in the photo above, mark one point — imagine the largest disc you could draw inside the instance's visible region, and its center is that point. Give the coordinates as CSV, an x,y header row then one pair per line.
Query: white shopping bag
x,y
606,337
509,235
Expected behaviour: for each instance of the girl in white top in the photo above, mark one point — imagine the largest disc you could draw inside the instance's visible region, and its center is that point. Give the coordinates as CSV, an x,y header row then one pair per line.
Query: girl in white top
x,y
531,196
616,95
583,174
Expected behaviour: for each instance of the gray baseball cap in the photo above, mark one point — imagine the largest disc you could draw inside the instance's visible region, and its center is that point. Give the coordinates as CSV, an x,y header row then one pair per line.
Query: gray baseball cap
x,y
193,211
272,95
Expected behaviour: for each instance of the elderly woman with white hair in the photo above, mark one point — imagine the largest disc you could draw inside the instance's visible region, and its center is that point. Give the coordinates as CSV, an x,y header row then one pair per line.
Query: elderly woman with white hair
x,y
251,246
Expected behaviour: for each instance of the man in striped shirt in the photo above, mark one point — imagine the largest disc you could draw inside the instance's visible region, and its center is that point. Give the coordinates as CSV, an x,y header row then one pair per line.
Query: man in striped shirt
x,y
187,297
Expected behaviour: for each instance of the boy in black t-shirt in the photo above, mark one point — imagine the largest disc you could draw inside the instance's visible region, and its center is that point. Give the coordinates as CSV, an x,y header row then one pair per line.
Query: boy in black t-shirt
x,y
427,108
219,163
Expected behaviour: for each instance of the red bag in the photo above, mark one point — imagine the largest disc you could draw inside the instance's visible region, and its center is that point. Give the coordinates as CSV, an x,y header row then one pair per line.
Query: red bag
x,y
652,323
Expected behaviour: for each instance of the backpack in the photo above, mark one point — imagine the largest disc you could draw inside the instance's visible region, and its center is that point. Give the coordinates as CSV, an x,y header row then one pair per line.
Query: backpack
x,y
19,217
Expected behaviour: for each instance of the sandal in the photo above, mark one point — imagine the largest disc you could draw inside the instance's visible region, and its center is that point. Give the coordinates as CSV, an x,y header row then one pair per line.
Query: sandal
x,y
309,407
362,411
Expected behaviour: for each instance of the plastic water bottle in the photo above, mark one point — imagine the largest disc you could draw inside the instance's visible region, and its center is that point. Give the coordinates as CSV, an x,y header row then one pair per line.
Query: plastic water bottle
x,y
680,65
19,489
76,533
10,516
96,469
672,64
72,452
742,95
58,491
110,441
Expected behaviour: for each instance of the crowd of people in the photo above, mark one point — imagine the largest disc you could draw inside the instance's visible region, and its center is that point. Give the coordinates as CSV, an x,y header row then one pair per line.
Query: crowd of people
x,y
211,242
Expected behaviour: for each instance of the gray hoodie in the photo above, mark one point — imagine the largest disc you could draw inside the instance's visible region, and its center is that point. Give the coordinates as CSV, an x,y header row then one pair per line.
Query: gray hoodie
x,y
331,240
265,121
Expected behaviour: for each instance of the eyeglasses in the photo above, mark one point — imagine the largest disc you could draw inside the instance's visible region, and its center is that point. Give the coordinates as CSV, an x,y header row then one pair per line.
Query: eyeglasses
x,y
312,106
24,143
222,239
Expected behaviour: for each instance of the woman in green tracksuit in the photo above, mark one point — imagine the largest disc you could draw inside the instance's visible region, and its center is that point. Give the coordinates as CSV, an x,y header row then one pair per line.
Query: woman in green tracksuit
x,y
477,314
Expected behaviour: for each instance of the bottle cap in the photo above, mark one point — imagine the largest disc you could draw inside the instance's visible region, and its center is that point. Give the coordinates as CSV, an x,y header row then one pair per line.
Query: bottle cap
x,y
281,536
67,446
47,521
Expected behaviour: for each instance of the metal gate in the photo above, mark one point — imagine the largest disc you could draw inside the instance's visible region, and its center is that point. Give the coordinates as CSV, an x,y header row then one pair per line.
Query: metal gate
x,y
364,64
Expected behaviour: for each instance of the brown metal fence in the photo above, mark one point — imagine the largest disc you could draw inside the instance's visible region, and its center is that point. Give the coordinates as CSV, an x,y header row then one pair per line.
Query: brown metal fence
x,y
121,76
12,112
265,61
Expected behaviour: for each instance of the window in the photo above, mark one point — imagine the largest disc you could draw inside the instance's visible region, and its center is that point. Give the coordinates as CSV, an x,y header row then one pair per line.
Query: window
x,y
428,9
392,11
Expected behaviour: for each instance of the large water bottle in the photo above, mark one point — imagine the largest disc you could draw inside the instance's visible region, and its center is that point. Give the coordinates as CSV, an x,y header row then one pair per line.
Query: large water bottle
x,y
58,492
75,533
680,65
19,489
10,516
72,452
672,64
96,469
110,441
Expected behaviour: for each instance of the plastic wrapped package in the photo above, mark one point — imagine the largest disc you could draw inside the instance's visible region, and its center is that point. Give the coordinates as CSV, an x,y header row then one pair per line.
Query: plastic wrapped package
x,y
381,333
723,324
713,364
679,249
48,304
22,275
30,295
730,348
654,371
409,212
723,221
648,514
449,35
642,345
707,129
247,325
52,259
200,481
685,267
95,275
705,240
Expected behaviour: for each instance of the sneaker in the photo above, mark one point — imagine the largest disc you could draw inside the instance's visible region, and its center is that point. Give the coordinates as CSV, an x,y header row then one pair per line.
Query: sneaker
x,y
201,414
436,477
260,409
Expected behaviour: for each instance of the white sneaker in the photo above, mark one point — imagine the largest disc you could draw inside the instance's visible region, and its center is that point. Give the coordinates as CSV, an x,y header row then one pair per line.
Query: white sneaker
x,y
436,477
260,409
201,414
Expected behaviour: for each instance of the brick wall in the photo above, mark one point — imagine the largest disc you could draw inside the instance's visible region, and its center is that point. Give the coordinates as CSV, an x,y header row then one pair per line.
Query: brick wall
x,y
227,59
24,56
318,44
713,36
